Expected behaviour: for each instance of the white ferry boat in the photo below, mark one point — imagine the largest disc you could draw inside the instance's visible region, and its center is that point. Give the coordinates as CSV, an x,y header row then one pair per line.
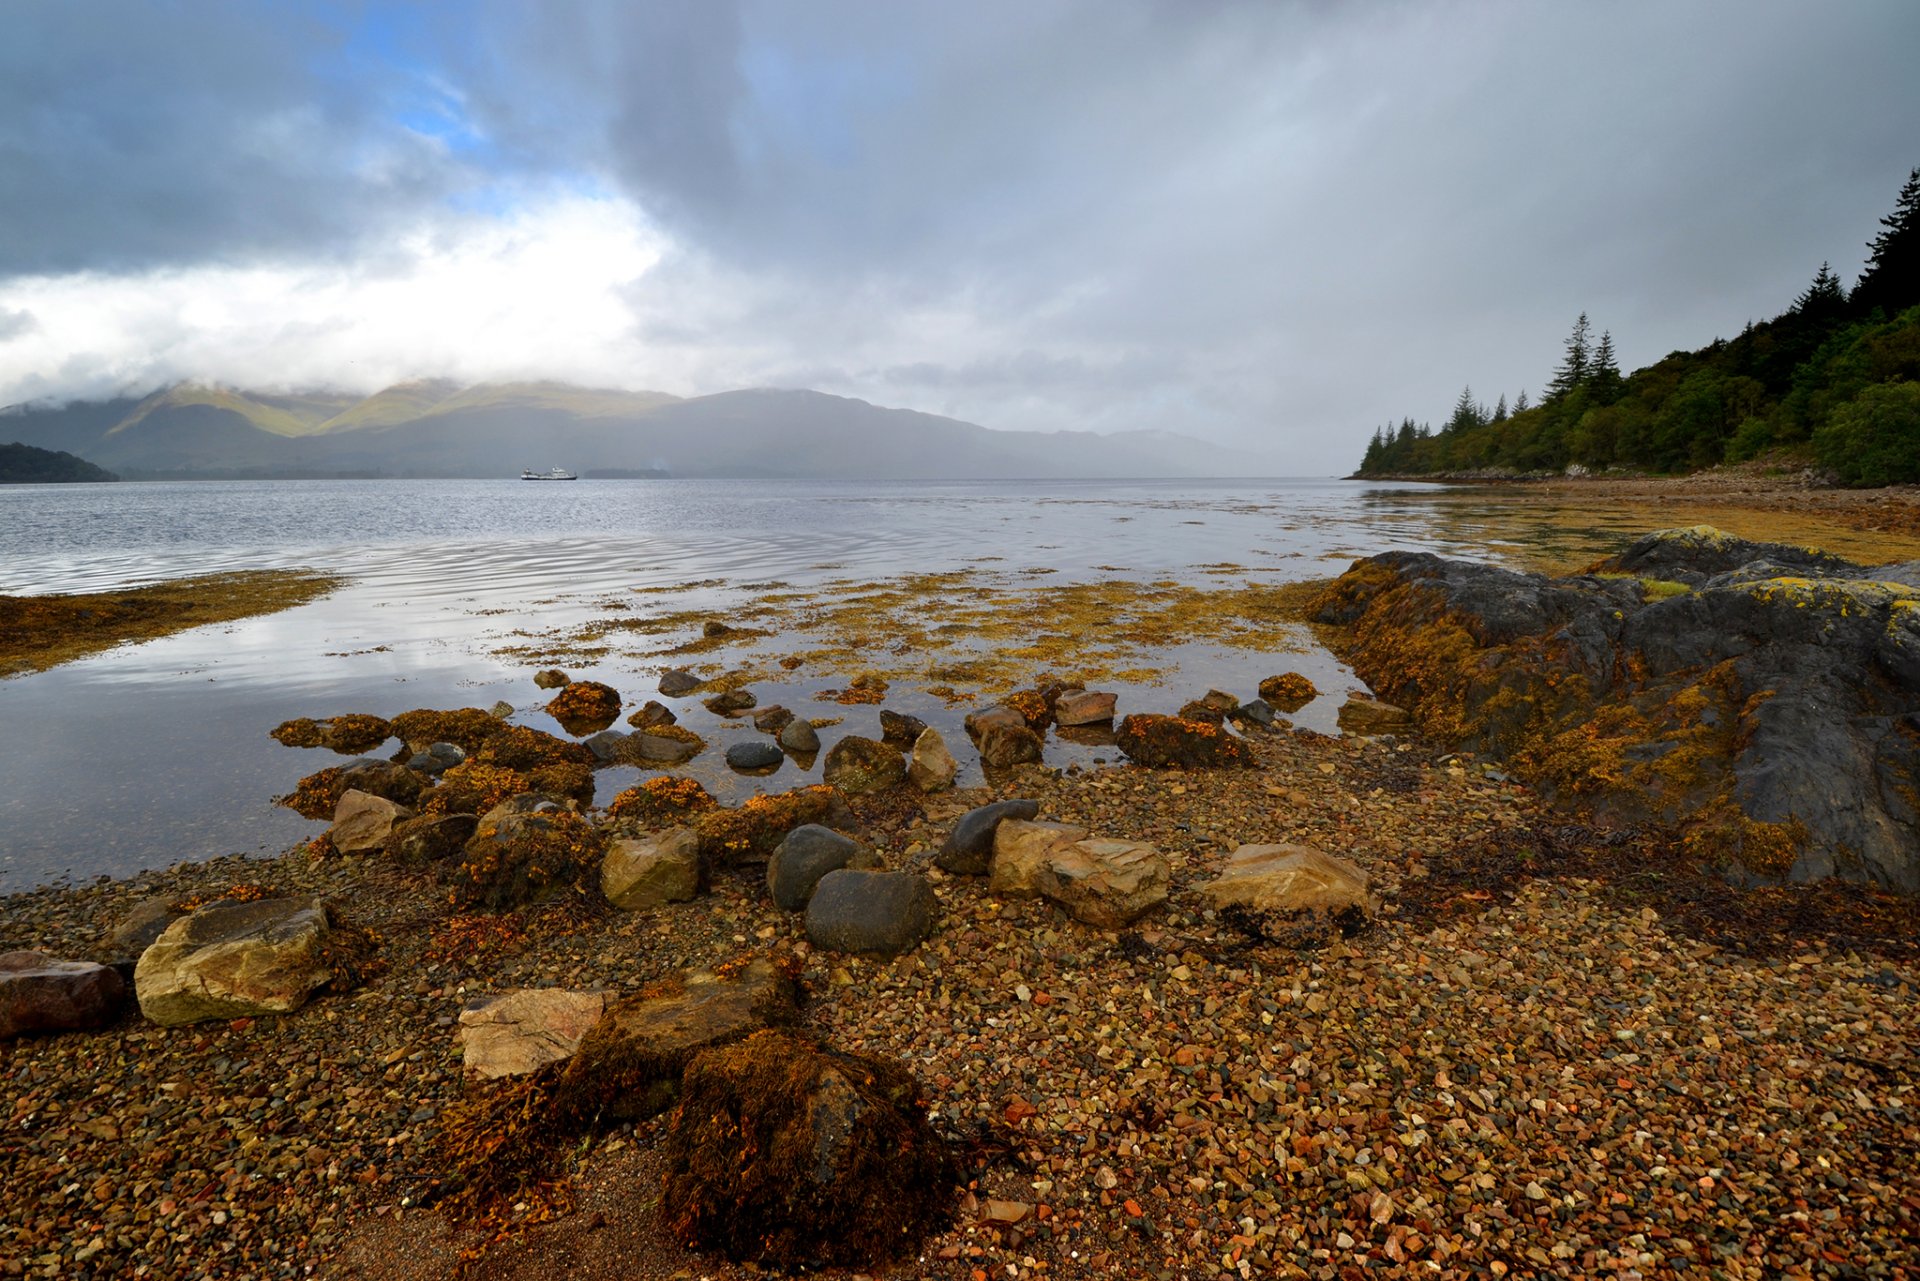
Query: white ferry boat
x,y
552,473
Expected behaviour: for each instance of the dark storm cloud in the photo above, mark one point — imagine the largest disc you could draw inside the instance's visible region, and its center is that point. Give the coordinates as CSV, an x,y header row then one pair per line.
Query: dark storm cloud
x,y
143,134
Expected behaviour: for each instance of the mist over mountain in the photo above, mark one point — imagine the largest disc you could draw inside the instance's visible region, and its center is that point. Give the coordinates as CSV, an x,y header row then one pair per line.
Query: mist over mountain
x,y
443,428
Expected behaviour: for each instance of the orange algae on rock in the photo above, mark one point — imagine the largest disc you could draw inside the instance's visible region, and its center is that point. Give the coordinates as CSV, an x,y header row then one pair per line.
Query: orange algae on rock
x,y
522,858
467,728
585,707
755,829
518,747
665,797
1162,741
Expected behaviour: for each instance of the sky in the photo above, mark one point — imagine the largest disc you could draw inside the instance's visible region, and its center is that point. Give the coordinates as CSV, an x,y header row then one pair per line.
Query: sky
x,y
1275,226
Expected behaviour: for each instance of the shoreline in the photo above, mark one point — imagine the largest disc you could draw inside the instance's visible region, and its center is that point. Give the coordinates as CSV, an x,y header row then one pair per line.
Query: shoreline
x,y
1179,1082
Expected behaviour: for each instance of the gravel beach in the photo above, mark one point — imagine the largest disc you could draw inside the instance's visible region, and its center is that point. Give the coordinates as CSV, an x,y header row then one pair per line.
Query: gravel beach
x,y
1510,1072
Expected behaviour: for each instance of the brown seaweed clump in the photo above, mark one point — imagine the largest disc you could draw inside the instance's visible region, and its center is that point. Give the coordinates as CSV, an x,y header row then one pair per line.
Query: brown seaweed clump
x,y
756,828
468,728
349,735
585,707
1161,741
788,1154
316,795
519,747
524,858
1289,691
663,798
474,787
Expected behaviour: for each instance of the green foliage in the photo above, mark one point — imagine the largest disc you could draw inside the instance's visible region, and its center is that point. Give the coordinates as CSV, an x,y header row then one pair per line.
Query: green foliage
x,y
25,465
1874,439
1806,375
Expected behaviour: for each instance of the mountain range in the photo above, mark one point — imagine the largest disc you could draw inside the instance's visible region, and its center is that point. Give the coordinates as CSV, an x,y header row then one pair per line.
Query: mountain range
x,y
442,428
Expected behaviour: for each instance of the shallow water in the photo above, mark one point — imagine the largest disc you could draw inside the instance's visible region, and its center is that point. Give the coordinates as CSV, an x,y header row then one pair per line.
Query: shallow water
x,y
154,754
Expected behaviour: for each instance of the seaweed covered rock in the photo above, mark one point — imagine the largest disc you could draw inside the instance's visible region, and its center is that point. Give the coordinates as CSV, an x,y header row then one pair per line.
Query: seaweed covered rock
x,y
476,787
1288,692
551,678
1161,741
585,707
39,993
318,794
430,838
525,749
348,735
751,832
628,1066
664,745
231,958
790,1155
466,727
1753,694
858,765
652,870
517,858
664,799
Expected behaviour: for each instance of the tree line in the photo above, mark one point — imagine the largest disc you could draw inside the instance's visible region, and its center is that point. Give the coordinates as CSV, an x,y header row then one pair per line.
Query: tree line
x,y
1833,379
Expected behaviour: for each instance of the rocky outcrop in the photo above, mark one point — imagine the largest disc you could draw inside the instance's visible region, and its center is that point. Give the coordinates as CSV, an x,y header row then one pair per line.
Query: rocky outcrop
x,y
857,765
968,850
628,1066
883,913
523,1031
790,1155
39,993
1764,699
231,958
652,871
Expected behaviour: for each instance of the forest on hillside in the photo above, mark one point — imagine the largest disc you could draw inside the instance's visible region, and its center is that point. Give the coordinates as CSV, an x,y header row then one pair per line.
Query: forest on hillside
x,y
1833,379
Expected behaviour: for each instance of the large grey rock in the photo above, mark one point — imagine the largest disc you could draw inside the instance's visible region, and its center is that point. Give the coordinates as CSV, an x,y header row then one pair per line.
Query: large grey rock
x,y
628,1065
523,1031
652,871
968,850
41,994
800,737
753,756
879,912
808,853
658,749
146,921
230,959
1004,746
362,822
1106,883
1288,879
932,767
856,765
678,683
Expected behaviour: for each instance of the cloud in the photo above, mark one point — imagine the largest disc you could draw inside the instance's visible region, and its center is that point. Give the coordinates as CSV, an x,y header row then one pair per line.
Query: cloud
x,y
1272,224
13,324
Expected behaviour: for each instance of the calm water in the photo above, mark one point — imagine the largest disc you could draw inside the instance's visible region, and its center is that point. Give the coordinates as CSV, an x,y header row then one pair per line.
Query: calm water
x,y
159,753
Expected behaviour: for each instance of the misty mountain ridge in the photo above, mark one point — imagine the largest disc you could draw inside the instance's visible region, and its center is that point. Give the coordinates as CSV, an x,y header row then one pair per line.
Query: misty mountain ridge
x,y
438,427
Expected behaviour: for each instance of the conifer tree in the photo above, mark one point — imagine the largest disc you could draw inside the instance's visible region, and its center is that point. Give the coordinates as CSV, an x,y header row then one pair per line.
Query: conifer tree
x,y
1466,414
1603,374
1891,280
1520,402
1500,409
1824,299
1577,366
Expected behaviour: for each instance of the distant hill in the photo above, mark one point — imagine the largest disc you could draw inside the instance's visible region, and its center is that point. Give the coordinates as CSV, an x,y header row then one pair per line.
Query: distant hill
x,y
24,465
439,428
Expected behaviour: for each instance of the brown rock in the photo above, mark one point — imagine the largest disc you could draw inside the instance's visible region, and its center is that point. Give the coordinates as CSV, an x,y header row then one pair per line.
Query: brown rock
x,y
857,765
652,713
430,838
1289,692
41,994
1105,883
652,871
979,722
1083,707
362,823
523,1031
1289,878
1004,746
1021,849
230,959
932,768
1363,715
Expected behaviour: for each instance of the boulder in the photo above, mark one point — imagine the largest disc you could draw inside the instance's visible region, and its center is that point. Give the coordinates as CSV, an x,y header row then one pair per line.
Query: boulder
x,y
430,838
752,831
1105,883
800,737
678,683
754,756
362,823
388,779
1004,746
731,702
857,765
652,713
897,727
230,958
585,707
41,994
1021,849
652,870
629,1064
551,678
437,758
1083,707
1288,692
1258,712
808,853
1363,715
651,748
1162,741
978,723
522,1031
932,768
500,710
886,913
136,931
968,850
1289,879
787,1156
771,720
520,857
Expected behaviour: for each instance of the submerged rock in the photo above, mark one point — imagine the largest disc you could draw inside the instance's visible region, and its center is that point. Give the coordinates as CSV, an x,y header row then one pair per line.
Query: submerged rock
x,y
678,683
1288,692
856,765
1761,697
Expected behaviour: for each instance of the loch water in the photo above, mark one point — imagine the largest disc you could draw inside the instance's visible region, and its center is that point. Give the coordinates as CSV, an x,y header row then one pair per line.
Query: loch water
x,y
159,753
